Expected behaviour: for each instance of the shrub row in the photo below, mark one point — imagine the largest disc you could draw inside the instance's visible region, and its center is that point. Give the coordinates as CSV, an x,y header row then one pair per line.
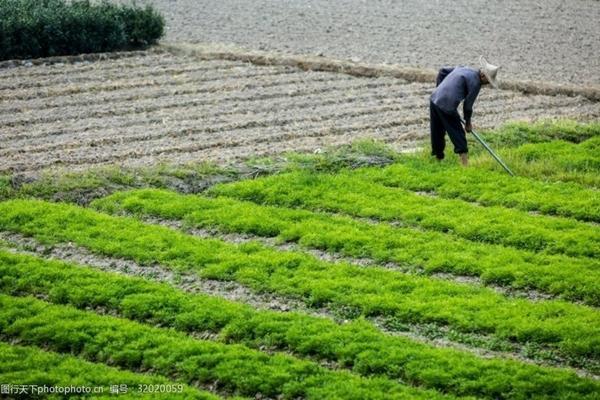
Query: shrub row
x,y
345,193
42,28
25,365
232,368
370,291
432,251
356,345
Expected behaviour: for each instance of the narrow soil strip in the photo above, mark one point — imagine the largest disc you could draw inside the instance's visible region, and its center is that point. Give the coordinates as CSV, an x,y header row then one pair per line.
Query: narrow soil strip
x,y
100,75
190,283
162,81
217,122
317,63
91,68
10,64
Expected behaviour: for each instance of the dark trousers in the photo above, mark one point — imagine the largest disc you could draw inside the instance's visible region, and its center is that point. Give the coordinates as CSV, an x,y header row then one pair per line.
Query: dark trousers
x,y
442,122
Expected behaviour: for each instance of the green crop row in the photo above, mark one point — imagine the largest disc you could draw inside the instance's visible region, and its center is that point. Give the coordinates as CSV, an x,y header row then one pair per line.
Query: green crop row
x,y
81,187
562,147
371,291
230,368
488,187
554,161
345,193
517,133
35,371
434,252
36,28
356,345
566,156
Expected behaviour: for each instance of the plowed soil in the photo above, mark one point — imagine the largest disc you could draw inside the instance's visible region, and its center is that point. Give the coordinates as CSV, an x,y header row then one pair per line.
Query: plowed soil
x,y
550,40
157,106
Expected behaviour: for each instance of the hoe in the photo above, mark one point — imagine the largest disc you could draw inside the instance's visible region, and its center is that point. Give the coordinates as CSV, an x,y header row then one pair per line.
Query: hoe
x,y
489,149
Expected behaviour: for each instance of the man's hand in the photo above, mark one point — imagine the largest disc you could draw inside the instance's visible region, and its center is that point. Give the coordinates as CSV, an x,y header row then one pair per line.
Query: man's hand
x,y
468,127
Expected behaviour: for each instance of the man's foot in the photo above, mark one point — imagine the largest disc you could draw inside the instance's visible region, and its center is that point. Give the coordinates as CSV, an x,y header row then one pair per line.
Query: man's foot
x,y
464,159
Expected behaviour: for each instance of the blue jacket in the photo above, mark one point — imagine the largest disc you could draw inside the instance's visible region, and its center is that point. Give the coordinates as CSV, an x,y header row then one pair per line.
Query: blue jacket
x,y
455,85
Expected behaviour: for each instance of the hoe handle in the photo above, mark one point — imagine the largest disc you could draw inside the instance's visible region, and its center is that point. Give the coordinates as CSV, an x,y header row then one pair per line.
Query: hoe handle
x,y
489,149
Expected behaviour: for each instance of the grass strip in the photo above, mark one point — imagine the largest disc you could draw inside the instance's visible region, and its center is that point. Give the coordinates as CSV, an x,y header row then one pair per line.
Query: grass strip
x,y
559,275
356,345
345,193
82,187
233,368
559,160
517,133
488,188
572,328
36,369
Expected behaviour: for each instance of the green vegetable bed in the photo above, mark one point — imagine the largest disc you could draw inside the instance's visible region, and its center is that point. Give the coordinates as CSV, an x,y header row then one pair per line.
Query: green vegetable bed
x,y
456,283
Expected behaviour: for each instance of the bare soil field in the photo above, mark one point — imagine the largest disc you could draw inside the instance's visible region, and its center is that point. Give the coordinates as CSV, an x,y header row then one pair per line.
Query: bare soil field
x,y
541,40
158,106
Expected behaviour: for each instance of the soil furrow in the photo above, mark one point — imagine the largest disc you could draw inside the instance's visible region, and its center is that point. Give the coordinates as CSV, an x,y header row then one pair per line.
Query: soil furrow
x,y
54,65
234,148
68,126
401,138
101,75
230,86
82,67
87,158
307,143
225,152
188,131
484,346
59,70
141,96
218,121
389,91
167,103
94,87
98,139
171,117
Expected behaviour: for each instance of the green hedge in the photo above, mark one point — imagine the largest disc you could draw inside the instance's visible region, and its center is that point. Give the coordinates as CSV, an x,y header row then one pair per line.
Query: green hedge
x,y
45,28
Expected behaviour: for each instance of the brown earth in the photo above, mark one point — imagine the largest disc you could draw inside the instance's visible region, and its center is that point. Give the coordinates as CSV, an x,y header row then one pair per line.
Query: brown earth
x,y
549,40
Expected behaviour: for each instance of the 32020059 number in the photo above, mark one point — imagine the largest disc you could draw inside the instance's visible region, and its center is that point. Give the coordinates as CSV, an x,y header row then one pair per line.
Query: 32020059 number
x,y
160,388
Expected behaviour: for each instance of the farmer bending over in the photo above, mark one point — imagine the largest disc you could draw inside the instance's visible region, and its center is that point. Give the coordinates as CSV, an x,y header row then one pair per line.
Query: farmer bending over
x,y
454,85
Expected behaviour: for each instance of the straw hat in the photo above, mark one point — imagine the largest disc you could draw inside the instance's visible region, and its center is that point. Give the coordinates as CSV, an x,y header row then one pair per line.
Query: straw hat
x,y
489,71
